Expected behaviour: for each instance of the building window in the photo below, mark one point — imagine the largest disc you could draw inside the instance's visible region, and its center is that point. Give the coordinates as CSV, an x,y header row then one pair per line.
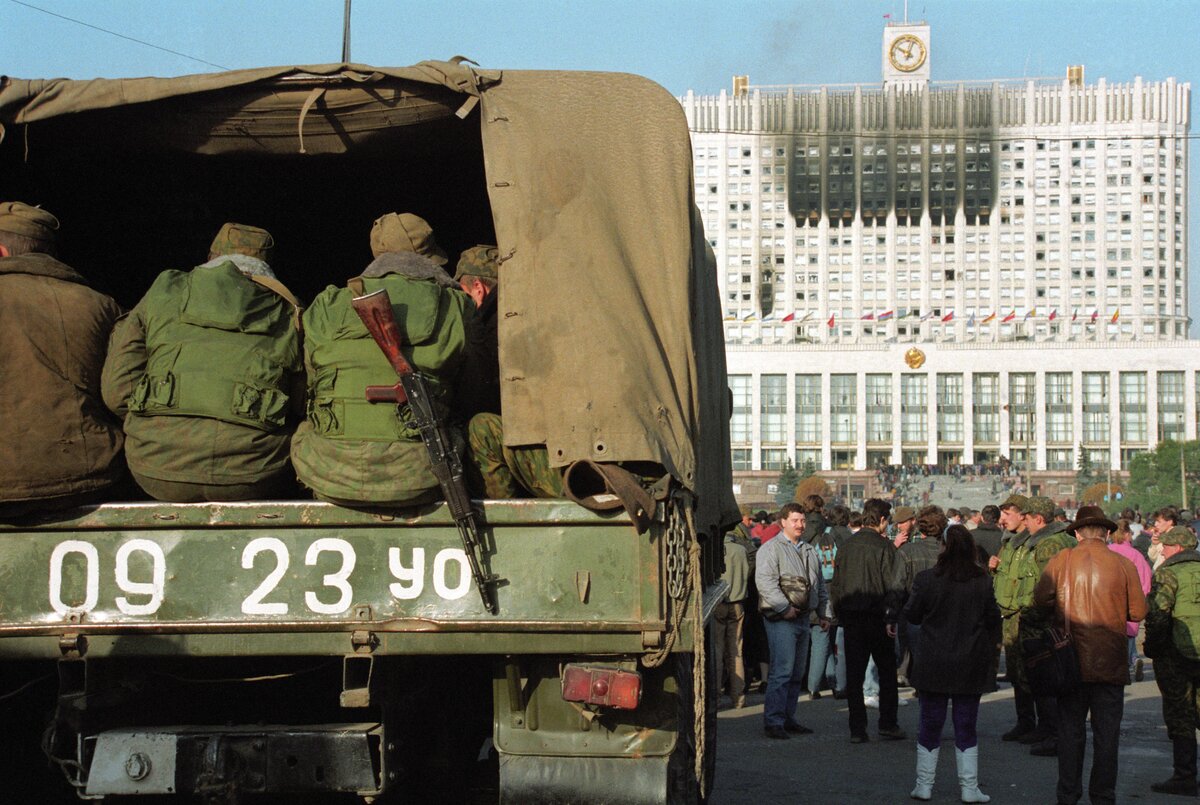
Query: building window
x,y
808,459
843,408
773,410
1132,406
914,408
808,409
1060,459
1170,406
879,408
1021,401
741,458
1058,409
986,408
1096,425
773,458
740,422
949,408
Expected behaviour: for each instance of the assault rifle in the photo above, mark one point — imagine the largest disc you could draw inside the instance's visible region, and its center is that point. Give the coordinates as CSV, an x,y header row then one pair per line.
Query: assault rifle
x,y
375,309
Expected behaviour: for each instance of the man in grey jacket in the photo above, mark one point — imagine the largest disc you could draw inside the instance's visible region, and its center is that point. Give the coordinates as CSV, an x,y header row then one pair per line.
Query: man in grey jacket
x,y
795,564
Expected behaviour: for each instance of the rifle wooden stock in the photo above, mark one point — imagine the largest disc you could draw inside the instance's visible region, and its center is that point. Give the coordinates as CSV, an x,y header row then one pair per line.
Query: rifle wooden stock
x,y
375,310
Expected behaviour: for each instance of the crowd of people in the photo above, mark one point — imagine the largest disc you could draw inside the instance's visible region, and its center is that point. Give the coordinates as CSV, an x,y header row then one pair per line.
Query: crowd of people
x,y
866,602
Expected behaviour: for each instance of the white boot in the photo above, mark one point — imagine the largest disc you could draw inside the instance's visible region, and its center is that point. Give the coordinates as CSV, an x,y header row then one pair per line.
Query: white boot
x,y
926,770
968,775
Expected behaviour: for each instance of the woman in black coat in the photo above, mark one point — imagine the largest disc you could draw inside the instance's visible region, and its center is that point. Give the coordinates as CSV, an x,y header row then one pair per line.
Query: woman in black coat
x,y
959,622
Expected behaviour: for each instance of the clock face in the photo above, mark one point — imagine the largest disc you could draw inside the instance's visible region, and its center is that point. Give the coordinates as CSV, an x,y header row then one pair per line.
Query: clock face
x,y
907,53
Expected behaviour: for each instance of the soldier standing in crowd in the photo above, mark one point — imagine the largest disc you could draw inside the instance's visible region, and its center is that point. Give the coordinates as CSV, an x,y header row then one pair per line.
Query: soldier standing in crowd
x,y
1046,538
350,450
1173,642
754,644
62,447
206,371
1007,585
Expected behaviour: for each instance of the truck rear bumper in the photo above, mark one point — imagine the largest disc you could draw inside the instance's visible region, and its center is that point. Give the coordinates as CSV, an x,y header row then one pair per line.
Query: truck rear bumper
x,y
255,759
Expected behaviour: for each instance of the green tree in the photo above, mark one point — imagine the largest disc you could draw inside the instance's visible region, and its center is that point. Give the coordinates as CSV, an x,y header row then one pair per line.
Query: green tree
x,y
1155,477
1085,473
789,476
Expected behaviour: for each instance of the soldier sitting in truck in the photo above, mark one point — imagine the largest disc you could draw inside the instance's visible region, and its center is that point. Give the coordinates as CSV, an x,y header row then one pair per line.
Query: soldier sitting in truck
x,y
357,452
63,447
206,369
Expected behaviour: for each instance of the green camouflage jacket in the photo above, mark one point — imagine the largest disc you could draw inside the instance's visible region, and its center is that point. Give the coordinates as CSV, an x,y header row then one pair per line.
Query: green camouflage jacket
x,y
205,370
1173,608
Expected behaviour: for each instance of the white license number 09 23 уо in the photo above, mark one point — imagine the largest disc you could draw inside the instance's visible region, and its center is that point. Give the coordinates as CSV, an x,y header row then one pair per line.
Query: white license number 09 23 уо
x,y
145,597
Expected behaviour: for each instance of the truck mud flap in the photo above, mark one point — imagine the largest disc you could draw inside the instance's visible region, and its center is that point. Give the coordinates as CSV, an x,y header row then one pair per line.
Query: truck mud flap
x,y
198,760
541,780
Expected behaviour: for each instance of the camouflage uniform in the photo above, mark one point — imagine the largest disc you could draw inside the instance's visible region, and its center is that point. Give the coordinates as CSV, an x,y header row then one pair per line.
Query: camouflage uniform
x,y
510,472
352,451
1173,642
206,371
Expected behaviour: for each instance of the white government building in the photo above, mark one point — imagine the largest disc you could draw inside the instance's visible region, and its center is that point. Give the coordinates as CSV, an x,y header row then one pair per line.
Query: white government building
x,y
950,273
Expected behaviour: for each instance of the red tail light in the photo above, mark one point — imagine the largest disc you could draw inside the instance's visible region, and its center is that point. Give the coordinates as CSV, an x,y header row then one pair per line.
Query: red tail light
x,y
606,687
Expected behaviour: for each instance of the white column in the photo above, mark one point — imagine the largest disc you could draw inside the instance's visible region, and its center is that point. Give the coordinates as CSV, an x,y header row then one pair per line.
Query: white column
x,y
756,419
1114,420
860,420
1189,404
826,416
1005,433
1152,408
968,418
1040,420
931,450
897,420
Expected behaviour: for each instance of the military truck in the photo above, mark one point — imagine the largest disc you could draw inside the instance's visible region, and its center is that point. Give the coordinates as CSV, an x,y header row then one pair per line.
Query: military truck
x,y
292,649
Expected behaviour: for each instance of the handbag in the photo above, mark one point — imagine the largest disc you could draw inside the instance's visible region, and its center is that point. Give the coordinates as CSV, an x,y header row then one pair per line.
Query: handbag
x,y
795,589
1051,661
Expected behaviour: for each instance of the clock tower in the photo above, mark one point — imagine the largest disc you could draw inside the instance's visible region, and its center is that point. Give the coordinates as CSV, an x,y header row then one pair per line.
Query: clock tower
x,y
906,54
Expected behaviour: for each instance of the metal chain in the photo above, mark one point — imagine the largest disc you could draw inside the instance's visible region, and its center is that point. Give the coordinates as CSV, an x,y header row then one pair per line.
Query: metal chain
x,y
677,551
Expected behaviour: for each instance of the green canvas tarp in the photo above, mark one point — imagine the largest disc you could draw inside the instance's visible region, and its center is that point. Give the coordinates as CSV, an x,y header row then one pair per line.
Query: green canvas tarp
x,y
610,335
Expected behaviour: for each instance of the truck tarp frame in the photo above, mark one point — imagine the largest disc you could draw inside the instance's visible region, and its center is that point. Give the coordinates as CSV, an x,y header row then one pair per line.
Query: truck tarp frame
x,y
606,271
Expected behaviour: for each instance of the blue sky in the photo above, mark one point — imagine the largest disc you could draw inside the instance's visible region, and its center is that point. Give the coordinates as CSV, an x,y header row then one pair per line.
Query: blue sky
x,y
682,45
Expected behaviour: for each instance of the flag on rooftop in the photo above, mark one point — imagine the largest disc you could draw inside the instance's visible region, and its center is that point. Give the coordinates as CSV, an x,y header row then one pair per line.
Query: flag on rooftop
x,y
1030,313
1095,313
807,316
868,317
1054,314
884,316
1116,314
1009,317
948,317
1075,314
832,319
749,316
990,317
790,317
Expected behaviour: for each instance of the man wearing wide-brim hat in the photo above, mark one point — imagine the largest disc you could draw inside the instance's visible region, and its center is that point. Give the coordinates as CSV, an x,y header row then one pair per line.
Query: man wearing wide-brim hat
x,y
1092,593
62,447
1173,642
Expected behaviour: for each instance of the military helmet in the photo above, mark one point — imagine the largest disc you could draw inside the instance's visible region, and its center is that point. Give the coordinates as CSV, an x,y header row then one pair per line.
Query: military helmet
x,y
1178,535
479,261
18,218
405,232
242,239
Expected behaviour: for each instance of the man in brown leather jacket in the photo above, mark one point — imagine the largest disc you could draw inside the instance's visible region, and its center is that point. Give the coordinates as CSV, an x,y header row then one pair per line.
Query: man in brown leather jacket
x,y
1095,592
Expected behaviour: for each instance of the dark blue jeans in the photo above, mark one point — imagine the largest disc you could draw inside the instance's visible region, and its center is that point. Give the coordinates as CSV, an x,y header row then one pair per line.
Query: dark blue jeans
x,y
820,658
788,643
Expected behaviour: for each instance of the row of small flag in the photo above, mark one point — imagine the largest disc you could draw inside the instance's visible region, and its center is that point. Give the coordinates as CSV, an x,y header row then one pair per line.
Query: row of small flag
x,y
916,314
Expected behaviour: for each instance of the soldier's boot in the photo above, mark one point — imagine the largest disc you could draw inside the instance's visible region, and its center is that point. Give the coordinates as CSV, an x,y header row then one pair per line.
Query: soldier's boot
x,y
968,775
926,771
1183,781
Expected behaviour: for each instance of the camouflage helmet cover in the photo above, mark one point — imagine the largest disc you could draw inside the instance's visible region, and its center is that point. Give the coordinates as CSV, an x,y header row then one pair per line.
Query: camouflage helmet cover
x,y
1015,500
242,239
479,261
1178,535
1039,505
